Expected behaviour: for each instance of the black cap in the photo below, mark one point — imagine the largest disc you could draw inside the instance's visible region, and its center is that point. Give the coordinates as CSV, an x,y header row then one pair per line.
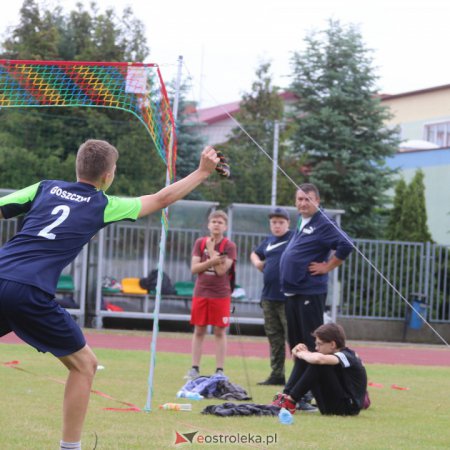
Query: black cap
x,y
279,212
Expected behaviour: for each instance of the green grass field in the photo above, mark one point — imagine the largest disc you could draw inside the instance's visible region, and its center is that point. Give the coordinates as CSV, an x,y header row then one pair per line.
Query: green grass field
x,y
30,411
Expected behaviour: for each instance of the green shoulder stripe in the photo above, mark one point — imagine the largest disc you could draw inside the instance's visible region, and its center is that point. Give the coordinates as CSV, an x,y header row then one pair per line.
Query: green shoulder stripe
x,y
119,208
21,196
18,202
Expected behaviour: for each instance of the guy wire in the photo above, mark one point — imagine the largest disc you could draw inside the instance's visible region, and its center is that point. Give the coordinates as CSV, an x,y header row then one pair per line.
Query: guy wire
x,y
329,220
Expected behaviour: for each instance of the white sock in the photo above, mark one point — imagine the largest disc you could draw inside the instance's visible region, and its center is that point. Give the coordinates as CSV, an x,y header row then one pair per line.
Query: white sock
x,y
70,445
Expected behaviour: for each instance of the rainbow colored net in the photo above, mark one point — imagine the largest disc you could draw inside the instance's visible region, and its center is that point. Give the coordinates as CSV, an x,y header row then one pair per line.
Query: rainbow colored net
x,y
134,87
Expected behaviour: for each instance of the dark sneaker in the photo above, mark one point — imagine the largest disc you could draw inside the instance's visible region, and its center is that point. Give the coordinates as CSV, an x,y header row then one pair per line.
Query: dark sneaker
x,y
305,406
273,381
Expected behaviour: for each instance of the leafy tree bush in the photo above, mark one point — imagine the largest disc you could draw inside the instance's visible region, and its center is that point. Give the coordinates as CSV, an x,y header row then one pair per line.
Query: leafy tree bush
x,y
41,143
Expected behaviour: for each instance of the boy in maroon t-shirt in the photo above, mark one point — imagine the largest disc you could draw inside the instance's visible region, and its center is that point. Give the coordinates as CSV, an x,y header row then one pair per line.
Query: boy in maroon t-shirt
x,y
212,260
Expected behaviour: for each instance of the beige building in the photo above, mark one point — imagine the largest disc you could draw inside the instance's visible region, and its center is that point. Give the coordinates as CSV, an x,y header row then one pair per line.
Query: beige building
x,y
422,115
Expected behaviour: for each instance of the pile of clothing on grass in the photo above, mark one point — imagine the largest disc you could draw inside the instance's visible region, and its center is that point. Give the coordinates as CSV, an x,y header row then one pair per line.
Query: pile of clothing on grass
x,y
215,386
219,386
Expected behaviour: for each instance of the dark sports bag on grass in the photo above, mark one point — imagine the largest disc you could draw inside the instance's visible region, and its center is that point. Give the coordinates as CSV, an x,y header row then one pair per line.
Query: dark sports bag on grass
x,y
232,271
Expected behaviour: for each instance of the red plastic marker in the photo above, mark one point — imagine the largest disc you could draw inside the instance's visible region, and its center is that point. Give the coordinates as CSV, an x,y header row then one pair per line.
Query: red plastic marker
x,y
399,388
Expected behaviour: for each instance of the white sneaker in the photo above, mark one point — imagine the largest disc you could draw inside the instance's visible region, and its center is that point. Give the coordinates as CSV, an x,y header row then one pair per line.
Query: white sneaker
x,y
192,374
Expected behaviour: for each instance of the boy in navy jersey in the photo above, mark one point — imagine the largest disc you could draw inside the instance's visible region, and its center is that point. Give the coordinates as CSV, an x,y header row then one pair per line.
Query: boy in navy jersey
x,y
334,374
60,218
266,258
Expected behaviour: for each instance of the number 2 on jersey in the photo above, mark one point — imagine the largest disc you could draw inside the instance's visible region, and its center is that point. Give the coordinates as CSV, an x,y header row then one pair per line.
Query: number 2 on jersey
x,y
45,232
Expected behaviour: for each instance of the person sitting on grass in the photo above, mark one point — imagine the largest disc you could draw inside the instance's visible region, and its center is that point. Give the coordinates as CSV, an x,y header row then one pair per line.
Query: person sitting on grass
x,y
334,374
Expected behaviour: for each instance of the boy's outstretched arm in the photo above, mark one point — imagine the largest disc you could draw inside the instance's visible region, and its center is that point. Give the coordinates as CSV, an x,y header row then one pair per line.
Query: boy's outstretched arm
x,y
178,190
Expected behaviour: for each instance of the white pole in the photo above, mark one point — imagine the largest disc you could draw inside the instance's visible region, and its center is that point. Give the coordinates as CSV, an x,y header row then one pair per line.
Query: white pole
x,y
276,135
162,251
176,100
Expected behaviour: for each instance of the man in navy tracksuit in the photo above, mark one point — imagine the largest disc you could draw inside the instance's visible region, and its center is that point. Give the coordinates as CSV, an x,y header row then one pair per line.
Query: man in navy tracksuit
x,y
317,247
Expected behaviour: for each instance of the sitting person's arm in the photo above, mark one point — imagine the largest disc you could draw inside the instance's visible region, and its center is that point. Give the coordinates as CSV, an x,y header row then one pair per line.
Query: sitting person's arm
x,y
314,357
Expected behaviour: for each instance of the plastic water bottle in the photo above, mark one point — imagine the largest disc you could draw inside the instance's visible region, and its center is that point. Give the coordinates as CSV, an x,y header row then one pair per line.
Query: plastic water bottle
x,y
176,406
190,395
285,417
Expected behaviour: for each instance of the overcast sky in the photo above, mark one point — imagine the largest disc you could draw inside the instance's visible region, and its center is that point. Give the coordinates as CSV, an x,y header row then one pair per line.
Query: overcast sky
x,y
223,42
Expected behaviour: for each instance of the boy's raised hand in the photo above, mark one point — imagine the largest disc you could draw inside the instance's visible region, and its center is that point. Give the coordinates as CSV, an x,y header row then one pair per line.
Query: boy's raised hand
x,y
223,168
208,159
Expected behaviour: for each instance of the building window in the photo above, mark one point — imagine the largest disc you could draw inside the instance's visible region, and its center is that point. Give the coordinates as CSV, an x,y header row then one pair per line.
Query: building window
x,y
438,133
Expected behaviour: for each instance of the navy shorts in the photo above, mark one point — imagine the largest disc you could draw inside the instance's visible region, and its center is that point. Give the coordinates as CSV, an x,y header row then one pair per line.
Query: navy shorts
x,y
38,319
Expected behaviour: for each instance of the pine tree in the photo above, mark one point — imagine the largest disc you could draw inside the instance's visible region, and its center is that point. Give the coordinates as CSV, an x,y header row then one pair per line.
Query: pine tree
x,y
340,127
413,221
395,214
408,217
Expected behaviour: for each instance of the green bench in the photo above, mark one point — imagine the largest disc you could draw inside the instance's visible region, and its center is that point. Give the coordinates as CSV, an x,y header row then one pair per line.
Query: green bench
x,y
66,289
184,288
65,284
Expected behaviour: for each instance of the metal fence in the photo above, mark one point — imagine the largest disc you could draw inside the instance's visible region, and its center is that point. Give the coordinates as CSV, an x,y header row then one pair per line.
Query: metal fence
x,y
365,290
132,250
398,270
366,293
